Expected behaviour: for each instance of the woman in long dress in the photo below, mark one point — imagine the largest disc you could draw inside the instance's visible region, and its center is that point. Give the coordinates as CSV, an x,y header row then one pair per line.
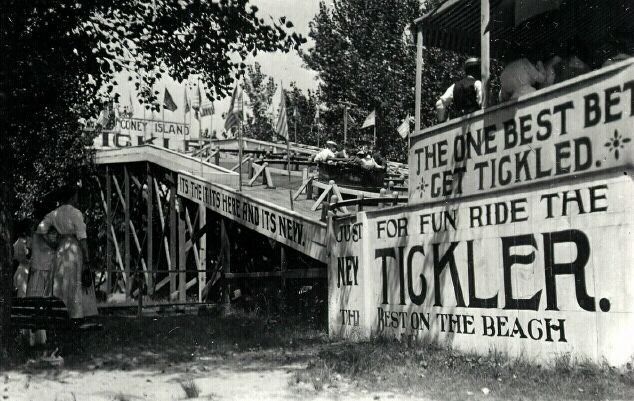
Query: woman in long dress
x,y
71,257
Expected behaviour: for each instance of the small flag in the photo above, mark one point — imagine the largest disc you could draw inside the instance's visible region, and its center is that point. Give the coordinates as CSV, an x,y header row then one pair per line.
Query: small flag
x,y
128,108
349,118
403,129
207,109
168,102
282,120
196,99
188,106
234,116
370,120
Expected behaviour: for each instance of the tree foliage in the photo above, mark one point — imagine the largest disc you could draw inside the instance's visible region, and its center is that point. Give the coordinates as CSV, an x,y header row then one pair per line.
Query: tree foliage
x,y
365,53
260,90
59,59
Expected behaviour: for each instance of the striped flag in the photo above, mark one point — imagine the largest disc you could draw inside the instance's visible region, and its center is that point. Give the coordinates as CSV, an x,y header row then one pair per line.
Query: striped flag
x,y
403,129
370,120
234,115
282,120
207,108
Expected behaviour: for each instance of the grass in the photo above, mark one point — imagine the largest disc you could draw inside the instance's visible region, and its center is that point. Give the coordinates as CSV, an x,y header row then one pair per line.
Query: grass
x,y
191,389
443,374
422,370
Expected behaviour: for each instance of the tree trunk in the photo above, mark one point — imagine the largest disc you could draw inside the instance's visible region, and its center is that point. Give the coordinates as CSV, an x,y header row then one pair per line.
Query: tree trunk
x,y
6,217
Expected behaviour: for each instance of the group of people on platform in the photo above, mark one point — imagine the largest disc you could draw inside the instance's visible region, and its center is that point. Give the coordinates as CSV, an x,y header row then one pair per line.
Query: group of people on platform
x,y
362,157
54,261
528,70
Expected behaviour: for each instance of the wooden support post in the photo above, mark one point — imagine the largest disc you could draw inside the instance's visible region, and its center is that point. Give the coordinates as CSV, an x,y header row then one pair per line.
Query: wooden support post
x,y
173,234
283,265
382,194
485,33
395,197
202,251
217,156
182,254
360,204
323,196
109,239
419,80
150,230
225,250
325,207
126,230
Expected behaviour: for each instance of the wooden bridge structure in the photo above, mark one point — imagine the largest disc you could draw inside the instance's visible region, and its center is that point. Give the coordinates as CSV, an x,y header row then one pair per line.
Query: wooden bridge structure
x,y
180,227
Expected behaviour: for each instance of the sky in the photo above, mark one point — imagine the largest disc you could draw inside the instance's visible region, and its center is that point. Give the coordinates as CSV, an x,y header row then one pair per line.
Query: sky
x,y
282,67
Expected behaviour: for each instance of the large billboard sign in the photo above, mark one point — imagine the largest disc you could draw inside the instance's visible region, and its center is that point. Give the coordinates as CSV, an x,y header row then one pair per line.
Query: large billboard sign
x,y
129,131
579,127
534,274
280,224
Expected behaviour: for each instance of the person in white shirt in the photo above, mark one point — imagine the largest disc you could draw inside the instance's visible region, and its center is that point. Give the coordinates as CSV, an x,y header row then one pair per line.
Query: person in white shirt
x,y
465,95
326,153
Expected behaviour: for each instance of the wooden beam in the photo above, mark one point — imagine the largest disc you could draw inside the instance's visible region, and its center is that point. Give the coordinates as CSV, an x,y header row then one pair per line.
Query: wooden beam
x,y
173,233
126,229
202,249
258,170
335,189
485,33
113,238
322,197
108,209
283,264
225,252
150,229
419,79
162,218
182,255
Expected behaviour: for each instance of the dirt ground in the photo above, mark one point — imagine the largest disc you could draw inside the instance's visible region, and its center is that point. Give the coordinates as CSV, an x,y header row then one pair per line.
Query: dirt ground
x,y
177,359
249,376
247,357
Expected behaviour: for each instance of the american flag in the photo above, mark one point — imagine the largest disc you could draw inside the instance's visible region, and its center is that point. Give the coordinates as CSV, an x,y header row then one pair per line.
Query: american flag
x,y
282,120
234,116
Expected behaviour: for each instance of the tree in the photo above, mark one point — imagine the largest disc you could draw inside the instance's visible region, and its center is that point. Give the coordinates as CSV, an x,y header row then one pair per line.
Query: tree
x,y
260,90
301,114
58,63
364,53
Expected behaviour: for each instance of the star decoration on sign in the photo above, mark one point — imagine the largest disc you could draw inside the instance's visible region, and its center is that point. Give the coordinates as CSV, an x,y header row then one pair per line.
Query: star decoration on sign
x,y
616,143
422,186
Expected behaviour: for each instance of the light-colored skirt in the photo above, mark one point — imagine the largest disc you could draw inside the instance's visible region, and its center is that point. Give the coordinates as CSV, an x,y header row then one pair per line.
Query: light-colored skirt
x,y
80,302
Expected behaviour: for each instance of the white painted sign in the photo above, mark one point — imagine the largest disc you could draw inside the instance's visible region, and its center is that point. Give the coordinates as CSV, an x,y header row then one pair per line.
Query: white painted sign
x,y
573,129
283,225
534,274
138,131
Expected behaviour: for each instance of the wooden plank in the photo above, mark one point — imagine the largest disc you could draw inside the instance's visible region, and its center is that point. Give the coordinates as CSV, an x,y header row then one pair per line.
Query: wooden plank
x,y
150,230
303,187
307,273
202,248
108,210
162,283
231,276
283,264
258,170
182,292
225,252
173,233
419,80
126,238
337,192
182,255
162,217
321,198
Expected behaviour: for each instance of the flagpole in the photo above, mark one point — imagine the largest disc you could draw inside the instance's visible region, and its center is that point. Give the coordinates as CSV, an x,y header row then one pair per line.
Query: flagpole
x,y
163,119
374,137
